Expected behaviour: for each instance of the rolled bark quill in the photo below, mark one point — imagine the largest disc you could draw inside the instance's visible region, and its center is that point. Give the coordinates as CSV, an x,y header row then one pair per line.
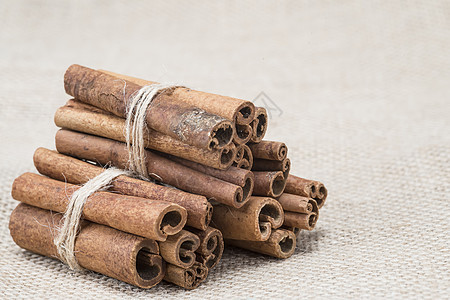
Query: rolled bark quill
x,y
105,151
239,111
234,175
298,204
144,217
271,165
136,260
269,150
269,184
242,134
179,249
89,119
301,221
65,168
281,244
259,125
189,278
211,246
295,230
244,158
253,222
307,188
177,119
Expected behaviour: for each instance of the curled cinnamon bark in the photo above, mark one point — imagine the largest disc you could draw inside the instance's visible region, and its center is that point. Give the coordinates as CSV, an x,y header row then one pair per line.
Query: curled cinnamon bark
x,y
105,151
300,204
144,217
89,119
179,249
259,125
307,188
239,111
269,150
65,168
234,175
269,183
254,221
247,158
136,260
177,119
189,278
281,244
242,134
271,165
301,221
211,246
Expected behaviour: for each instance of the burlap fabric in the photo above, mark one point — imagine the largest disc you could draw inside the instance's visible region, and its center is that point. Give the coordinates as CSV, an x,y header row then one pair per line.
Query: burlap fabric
x,y
363,90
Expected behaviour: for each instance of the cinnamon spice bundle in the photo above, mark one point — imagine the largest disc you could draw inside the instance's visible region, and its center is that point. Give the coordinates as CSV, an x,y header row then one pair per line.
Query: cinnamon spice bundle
x,y
307,188
177,119
89,119
65,168
105,151
144,217
135,259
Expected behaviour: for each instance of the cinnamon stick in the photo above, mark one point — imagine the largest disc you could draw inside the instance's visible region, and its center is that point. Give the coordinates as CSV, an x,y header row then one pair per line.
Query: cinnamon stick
x,y
234,175
89,119
144,217
281,244
177,119
301,221
106,151
135,259
254,221
300,204
189,278
239,111
295,230
269,150
244,159
211,246
242,134
271,165
65,168
307,188
270,183
259,125
179,249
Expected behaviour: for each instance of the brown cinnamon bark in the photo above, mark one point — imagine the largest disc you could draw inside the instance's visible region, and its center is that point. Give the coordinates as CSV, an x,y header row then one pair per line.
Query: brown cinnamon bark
x,y
269,183
211,246
253,222
281,244
106,151
259,125
307,188
144,217
179,249
300,204
269,150
189,278
89,119
234,175
301,221
239,111
98,248
242,134
177,119
247,159
271,165
65,168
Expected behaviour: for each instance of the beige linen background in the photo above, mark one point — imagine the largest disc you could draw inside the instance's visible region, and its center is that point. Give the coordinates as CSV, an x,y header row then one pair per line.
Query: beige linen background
x,y
364,89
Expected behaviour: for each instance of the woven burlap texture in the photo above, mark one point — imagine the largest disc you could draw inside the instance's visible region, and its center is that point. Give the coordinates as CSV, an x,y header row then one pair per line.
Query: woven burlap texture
x,y
360,94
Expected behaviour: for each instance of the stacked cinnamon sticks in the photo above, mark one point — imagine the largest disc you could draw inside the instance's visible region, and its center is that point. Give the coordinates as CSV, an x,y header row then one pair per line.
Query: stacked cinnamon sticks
x,y
211,178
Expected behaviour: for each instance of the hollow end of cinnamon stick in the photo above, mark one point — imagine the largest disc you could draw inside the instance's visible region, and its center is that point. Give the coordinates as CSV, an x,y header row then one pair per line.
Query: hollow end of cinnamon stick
x,y
222,135
211,246
270,184
245,113
150,268
227,156
259,125
242,134
269,150
188,278
179,249
301,221
247,159
321,193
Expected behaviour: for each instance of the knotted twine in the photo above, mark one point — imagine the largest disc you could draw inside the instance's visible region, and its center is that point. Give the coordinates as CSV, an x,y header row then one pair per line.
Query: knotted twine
x,y
134,134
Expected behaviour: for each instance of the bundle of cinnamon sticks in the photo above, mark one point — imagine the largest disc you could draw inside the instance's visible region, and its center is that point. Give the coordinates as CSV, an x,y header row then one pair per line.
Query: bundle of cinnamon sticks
x,y
211,178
